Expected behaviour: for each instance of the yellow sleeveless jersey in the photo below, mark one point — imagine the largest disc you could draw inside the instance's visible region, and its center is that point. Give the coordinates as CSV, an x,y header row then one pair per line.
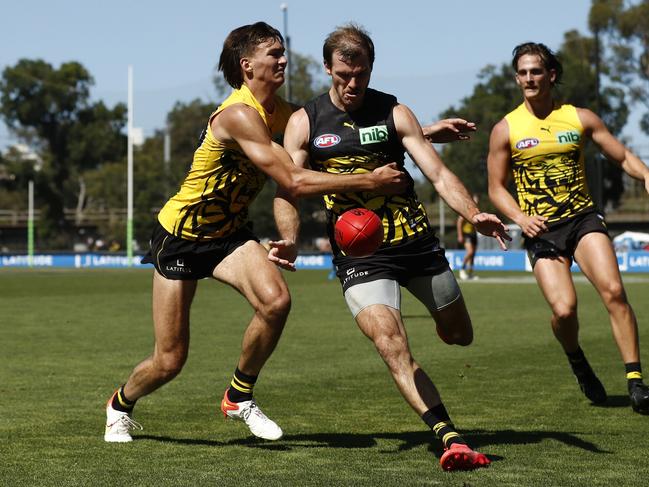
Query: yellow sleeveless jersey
x,y
221,184
548,163
467,227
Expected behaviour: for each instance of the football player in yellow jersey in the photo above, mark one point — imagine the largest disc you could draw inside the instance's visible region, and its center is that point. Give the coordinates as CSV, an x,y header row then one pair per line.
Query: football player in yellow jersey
x,y
541,143
352,128
467,237
203,231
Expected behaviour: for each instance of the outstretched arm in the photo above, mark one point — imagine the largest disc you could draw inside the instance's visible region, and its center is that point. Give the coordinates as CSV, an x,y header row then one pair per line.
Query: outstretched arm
x,y
498,162
447,184
448,130
612,148
243,125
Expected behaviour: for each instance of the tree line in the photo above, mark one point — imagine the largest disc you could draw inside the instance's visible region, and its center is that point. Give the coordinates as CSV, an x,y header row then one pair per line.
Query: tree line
x,y
81,144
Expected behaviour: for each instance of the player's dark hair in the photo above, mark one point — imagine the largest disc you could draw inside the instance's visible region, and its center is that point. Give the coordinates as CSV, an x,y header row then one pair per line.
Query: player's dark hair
x,y
350,40
240,43
548,57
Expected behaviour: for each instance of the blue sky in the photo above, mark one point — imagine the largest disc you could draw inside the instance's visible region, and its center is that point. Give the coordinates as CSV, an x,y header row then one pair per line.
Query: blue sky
x,y
428,51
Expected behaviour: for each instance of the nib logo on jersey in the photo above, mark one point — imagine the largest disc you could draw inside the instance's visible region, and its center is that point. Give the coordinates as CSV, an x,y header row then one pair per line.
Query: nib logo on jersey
x,y
352,274
179,266
568,137
373,135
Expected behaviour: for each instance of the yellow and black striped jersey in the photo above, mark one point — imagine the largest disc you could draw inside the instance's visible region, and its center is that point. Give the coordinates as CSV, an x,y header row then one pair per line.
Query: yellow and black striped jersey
x,y
548,163
359,142
467,227
221,184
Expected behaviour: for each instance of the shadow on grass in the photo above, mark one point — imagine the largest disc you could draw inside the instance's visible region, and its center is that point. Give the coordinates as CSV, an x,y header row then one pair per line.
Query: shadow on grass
x,y
479,438
406,441
618,401
180,441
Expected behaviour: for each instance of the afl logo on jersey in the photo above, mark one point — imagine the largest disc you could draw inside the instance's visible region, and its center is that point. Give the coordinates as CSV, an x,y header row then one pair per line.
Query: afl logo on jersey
x,y
527,144
326,140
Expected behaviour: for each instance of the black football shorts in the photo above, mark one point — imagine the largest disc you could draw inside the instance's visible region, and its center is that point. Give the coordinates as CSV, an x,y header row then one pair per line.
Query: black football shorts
x,y
471,237
180,259
561,239
420,257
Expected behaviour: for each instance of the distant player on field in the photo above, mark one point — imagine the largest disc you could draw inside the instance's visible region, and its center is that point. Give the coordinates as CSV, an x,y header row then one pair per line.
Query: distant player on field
x,y
352,129
542,144
203,231
467,237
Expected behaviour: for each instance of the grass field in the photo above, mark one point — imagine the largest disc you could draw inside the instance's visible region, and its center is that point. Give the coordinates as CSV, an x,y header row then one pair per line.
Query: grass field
x,y
68,338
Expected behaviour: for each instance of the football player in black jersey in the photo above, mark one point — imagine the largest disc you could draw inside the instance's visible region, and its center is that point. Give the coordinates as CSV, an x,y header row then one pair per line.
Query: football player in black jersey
x,y
354,129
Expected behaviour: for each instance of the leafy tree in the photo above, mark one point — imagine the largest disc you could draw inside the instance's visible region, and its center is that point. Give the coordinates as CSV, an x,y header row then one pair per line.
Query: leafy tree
x,y
17,167
621,29
51,107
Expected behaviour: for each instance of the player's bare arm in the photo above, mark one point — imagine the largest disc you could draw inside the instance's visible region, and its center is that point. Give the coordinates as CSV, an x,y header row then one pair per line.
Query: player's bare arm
x,y
499,170
449,130
612,148
243,125
283,252
447,184
285,207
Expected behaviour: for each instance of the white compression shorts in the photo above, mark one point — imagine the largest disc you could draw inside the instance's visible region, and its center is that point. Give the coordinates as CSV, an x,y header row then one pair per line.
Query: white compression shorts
x,y
436,292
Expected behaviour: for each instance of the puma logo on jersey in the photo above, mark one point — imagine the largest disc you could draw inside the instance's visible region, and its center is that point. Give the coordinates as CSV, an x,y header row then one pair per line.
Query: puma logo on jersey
x,y
547,129
350,125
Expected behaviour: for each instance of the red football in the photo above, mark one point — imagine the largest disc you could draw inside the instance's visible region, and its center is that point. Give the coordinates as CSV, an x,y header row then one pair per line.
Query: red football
x,y
359,232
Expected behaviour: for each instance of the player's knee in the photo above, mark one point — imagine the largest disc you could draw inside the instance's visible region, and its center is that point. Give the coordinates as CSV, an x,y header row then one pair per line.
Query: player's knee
x,y
169,364
564,311
614,293
391,347
275,304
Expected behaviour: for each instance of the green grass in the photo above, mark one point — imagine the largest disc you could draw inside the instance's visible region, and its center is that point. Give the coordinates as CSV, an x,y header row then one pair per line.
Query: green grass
x,y
68,338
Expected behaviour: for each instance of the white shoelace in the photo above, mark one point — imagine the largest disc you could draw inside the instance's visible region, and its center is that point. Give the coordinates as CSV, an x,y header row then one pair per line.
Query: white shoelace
x,y
129,423
252,409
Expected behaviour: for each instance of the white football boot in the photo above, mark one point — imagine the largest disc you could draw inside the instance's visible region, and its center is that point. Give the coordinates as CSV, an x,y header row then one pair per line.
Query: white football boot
x,y
118,425
248,412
